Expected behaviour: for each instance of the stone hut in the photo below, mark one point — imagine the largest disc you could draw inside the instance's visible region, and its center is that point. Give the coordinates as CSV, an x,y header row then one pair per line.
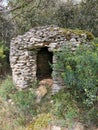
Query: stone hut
x,y
33,54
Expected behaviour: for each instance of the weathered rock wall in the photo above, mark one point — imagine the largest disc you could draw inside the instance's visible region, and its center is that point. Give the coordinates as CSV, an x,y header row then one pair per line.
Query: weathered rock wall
x,y
23,68
24,49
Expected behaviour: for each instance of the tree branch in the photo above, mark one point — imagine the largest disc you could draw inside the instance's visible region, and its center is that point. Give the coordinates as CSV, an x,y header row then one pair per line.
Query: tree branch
x,y
15,8
27,11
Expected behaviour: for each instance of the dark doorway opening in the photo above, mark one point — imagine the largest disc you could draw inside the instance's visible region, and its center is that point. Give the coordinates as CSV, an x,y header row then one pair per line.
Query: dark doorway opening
x,y
44,62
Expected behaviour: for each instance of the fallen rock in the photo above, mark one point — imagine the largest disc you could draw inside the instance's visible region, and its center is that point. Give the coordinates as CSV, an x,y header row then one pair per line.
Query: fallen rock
x,y
46,82
41,92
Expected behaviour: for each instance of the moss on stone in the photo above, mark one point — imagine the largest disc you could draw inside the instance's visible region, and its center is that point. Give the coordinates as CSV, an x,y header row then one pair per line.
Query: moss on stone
x,y
41,122
68,32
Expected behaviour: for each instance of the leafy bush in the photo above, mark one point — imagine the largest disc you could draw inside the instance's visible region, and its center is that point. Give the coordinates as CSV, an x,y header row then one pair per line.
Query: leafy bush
x,y
79,71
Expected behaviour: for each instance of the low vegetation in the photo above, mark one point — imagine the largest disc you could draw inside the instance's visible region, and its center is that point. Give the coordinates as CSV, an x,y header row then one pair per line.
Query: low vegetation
x,y
77,101
4,65
80,75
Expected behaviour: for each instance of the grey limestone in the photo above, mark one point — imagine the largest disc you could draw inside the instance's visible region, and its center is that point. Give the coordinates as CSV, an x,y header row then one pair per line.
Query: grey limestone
x,y
24,48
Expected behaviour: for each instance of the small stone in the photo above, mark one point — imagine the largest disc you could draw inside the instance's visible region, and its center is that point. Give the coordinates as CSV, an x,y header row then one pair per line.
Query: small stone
x,y
10,100
73,49
52,45
72,40
35,39
55,128
78,126
46,82
84,36
41,92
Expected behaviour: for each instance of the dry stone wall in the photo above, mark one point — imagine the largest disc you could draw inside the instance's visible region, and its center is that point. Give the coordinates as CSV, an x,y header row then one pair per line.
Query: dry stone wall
x,y
24,49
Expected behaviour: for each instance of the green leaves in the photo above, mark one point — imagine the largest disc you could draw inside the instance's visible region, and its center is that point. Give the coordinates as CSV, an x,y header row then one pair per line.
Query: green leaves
x,y
80,75
23,100
30,13
80,71
2,55
3,58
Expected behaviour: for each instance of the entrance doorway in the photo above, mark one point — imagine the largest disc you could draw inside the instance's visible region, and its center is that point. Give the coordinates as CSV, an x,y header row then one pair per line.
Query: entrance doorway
x,y
44,62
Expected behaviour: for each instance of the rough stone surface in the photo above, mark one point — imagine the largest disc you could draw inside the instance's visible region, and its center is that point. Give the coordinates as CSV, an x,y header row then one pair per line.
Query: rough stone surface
x,y
41,92
24,50
78,126
46,82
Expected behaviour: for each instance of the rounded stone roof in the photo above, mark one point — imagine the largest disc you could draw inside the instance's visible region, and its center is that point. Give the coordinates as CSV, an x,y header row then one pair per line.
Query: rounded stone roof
x,y
49,36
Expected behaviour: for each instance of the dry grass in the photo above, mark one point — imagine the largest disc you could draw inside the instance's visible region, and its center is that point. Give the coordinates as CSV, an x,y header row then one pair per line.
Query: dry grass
x,y
9,117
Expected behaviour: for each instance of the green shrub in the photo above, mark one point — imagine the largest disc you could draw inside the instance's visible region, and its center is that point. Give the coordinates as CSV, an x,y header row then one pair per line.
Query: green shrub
x,y
79,71
24,100
65,107
6,88
4,52
95,43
